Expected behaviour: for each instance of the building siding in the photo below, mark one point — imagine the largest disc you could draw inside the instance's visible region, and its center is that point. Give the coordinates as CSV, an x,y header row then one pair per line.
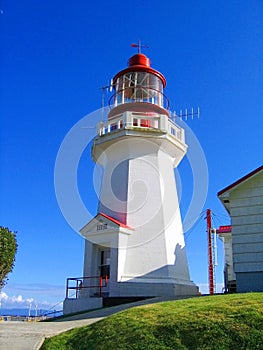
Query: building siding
x,y
246,211
250,282
253,247
247,236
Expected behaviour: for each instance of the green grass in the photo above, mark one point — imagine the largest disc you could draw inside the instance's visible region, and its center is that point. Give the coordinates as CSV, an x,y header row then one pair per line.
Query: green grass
x,y
217,322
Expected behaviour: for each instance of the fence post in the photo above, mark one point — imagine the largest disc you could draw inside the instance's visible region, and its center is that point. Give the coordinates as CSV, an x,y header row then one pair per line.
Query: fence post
x,y
100,285
67,289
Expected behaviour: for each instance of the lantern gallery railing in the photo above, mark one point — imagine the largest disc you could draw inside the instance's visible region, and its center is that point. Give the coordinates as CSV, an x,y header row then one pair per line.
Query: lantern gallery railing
x,y
144,121
139,94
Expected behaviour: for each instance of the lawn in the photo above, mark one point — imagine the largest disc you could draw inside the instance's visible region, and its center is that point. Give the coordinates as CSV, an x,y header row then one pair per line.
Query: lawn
x,y
218,322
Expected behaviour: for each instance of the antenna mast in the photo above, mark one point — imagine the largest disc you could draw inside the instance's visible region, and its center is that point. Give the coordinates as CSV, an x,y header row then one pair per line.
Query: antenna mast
x,y
185,114
211,271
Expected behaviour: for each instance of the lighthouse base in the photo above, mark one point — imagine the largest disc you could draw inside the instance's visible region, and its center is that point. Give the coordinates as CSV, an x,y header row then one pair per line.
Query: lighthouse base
x,y
125,292
158,289
71,306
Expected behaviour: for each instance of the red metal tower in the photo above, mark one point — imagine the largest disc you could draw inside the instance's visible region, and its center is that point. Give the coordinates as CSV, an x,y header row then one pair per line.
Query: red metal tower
x,y
210,252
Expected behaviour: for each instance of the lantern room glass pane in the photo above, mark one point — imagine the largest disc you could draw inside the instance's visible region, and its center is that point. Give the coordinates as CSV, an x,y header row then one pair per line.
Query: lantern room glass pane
x,y
139,87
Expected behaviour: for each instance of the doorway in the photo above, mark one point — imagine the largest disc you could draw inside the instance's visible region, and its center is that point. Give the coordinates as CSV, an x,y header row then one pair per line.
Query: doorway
x,y
104,265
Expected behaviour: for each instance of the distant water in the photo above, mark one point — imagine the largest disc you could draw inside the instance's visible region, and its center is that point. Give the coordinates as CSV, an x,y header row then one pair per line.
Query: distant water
x,y
25,312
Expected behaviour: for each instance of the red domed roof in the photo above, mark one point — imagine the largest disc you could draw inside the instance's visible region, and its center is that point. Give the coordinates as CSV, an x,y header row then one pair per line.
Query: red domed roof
x,y
139,60
140,63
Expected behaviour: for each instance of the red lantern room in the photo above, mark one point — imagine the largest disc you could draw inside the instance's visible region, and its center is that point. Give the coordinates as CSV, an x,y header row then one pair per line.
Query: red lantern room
x,y
139,88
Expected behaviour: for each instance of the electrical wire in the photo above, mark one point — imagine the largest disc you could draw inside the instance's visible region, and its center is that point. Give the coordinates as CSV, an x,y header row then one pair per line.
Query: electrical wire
x,y
219,218
201,216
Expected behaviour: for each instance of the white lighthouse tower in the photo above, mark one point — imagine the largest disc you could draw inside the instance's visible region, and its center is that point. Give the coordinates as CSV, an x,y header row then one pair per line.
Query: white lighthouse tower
x,y
135,245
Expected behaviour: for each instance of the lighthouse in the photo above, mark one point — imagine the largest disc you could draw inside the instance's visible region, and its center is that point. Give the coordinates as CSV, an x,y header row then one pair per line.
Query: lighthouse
x,y
134,246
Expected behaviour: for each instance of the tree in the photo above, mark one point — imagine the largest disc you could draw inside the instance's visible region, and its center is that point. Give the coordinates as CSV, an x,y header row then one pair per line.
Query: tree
x,y
8,249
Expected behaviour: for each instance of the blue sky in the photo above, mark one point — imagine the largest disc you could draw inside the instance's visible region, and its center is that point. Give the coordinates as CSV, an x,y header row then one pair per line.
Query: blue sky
x,y
56,55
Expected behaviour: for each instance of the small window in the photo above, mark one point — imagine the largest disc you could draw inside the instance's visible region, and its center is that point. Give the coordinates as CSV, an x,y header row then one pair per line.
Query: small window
x,y
113,127
135,122
145,123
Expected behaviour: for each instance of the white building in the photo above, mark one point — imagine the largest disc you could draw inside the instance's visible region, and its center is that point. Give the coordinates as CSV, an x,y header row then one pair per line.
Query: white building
x,y
243,201
225,234
135,245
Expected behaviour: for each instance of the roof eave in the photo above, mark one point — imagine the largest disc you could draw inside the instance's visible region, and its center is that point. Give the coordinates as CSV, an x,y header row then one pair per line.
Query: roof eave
x,y
240,181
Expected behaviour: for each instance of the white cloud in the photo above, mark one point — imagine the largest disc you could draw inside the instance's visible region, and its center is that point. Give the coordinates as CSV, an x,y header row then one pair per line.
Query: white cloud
x,y
15,301
3,296
32,295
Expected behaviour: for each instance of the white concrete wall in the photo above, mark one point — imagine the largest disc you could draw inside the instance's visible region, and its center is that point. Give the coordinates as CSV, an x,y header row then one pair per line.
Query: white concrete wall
x,y
228,252
76,305
139,189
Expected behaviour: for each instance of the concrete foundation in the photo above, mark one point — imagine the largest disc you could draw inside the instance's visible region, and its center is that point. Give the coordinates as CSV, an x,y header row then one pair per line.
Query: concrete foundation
x,y
77,305
139,289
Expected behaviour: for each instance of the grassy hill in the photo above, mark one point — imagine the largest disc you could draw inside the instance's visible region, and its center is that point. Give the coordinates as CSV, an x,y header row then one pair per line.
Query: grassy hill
x,y
211,322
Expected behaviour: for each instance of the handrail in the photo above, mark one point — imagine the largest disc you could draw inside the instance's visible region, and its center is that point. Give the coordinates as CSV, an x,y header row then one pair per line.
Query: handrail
x,y
102,283
155,122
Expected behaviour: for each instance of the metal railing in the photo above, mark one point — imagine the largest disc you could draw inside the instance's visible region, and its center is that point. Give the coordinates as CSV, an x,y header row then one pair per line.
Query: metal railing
x,y
129,120
78,284
139,94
